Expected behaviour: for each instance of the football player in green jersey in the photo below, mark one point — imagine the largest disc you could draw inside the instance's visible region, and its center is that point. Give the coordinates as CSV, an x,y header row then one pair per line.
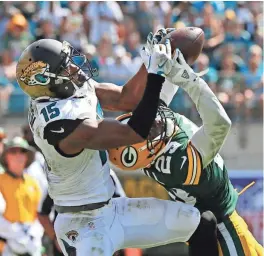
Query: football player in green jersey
x,y
184,159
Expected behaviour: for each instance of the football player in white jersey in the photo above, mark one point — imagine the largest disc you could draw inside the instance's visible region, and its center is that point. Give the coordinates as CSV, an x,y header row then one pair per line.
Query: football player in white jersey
x,y
64,116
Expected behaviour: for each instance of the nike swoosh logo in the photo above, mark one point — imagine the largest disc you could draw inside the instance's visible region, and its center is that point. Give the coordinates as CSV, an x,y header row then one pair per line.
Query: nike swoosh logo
x,y
184,160
161,66
59,131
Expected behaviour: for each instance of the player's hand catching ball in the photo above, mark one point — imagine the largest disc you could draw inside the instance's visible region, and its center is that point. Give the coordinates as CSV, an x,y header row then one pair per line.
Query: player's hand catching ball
x,y
158,59
181,73
157,37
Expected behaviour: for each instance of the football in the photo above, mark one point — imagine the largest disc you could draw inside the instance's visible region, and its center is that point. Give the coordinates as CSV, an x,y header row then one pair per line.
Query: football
x,y
189,40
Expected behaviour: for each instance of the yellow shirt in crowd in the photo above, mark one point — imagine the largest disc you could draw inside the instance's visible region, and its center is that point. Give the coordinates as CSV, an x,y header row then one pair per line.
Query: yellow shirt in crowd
x,y
22,197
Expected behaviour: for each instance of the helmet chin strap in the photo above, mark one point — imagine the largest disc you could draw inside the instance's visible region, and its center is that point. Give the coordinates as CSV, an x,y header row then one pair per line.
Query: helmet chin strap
x,y
167,144
170,132
79,92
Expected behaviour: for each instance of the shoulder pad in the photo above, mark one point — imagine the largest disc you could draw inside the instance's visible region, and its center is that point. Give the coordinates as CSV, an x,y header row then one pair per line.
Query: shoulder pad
x,y
68,109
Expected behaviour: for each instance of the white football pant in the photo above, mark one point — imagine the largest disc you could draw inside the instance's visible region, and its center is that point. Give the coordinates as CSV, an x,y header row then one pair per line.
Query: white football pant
x,y
124,223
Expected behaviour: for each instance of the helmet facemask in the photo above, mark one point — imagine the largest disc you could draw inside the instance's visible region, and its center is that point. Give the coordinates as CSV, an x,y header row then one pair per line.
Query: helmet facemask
x,y
162,130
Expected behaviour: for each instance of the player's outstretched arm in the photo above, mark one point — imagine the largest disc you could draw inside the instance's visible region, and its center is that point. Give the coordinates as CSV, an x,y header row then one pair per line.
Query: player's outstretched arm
x,y
210,137
108,133
123,98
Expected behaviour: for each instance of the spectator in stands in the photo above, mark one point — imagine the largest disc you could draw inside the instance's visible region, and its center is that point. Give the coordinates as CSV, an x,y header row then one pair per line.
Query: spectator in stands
x,y
133,45
227,50
211,77
253,76
239,37
181,15
230,29
3,18
162,12
118,68
52,10
20,198
244,14
130,27
246,17
105,49
46,29
16,39
104,52
71,28
254,69
213,29
6,88
144,18
231,87
13,42
2,137
104,17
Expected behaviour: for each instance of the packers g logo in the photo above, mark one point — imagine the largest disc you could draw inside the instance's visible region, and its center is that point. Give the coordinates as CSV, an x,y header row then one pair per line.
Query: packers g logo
x,y
129,156
34,74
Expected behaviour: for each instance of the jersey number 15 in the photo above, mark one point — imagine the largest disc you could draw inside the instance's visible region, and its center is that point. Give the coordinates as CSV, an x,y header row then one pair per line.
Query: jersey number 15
x,y
50,112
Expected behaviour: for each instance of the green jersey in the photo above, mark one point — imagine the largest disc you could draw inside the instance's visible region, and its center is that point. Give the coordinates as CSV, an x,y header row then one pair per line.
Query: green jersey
x,y
179,169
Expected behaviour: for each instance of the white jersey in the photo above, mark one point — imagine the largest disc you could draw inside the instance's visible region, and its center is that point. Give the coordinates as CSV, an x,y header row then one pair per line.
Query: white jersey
x,y
78,179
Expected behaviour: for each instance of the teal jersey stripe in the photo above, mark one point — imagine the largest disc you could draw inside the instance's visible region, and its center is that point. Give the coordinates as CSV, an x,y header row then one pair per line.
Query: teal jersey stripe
x,y
100,115
103,156
99,111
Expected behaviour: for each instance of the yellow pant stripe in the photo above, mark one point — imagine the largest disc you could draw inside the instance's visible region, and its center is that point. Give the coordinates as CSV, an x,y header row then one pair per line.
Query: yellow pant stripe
x,y
220,250
190,166
241,231
245,245
198,164
240,237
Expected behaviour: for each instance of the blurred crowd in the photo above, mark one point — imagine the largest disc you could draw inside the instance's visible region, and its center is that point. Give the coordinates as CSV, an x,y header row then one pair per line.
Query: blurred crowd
x,y
23,188
111,34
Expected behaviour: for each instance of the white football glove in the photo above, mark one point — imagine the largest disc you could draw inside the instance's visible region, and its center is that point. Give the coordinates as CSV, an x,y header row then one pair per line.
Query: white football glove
x,y
158,61
157,37
152,40
181,73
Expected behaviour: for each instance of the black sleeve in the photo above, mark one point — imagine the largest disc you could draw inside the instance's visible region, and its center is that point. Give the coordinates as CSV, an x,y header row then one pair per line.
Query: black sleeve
x,y
46,206
56,131
144,114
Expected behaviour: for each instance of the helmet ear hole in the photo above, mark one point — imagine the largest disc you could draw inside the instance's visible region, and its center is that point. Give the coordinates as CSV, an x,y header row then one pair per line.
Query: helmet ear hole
x,y
63,91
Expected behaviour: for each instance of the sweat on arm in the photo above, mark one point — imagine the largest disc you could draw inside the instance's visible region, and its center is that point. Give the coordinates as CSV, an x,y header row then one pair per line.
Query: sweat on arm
x,y
122,98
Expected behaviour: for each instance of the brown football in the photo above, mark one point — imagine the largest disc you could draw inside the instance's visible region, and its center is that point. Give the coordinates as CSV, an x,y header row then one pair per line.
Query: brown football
x,y
189,40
